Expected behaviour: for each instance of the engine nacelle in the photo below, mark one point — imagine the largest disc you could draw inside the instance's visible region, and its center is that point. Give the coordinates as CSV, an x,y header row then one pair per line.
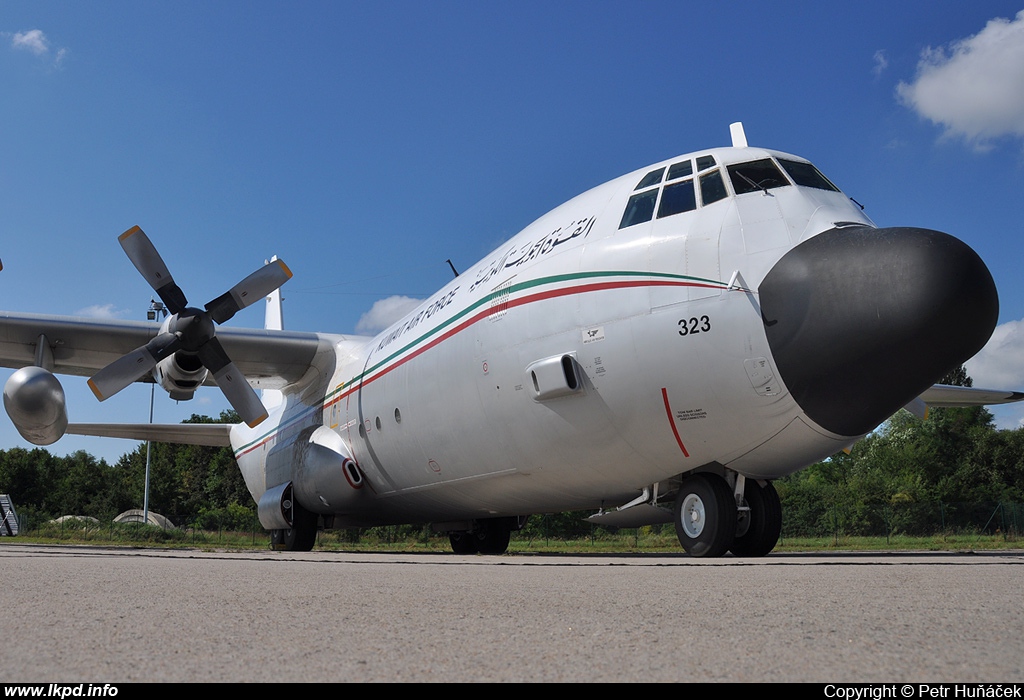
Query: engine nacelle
x,y
327,478
180,375
34,400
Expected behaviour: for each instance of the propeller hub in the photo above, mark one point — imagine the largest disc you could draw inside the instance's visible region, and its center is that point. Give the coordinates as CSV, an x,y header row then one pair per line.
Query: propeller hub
x,y
194,328
190,330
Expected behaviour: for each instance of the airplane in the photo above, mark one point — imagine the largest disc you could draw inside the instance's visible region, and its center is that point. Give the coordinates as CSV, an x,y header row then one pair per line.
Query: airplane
x,y
659,348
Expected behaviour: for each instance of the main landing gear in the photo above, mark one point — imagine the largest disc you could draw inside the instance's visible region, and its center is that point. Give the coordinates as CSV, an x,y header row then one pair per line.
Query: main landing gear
x,y
301,536
488,536
709,523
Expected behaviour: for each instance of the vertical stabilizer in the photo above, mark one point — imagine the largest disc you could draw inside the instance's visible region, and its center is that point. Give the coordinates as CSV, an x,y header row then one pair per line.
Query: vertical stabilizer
x,y
274,318
273,321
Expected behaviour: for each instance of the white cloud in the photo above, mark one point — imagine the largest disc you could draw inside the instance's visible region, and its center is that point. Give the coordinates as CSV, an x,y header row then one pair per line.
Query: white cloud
x,y
1008,416
881,62
33,40
1000,364
974,87
384,312
101,311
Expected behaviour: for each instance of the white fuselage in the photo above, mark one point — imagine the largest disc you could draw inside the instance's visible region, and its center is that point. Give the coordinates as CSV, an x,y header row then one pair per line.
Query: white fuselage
x,y
465,408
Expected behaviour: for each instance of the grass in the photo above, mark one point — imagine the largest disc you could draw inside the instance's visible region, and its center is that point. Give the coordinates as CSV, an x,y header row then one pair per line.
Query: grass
x,y
386,539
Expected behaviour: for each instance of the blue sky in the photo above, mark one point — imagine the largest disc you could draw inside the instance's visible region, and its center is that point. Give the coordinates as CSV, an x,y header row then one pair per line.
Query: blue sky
x,y
365,143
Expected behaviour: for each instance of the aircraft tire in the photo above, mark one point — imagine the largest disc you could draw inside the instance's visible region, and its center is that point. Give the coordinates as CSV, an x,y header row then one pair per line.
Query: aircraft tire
x,y
493,538
765,521
301,536
463,542
705,515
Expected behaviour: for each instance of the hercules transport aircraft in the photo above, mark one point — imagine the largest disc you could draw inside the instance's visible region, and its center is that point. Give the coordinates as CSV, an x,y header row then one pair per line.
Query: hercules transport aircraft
x,y
659,348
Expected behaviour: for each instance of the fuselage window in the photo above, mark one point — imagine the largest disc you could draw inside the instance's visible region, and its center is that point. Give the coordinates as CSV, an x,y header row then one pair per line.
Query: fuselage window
x,y
705,162
677,198
807,175
679,170
712,188
651,178
757,175
639,209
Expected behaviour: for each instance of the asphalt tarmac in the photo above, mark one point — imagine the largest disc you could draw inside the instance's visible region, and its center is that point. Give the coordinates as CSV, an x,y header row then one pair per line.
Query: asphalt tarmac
x,y
105,615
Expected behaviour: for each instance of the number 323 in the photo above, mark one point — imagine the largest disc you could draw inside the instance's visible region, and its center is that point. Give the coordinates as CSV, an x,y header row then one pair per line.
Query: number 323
x,y
694,325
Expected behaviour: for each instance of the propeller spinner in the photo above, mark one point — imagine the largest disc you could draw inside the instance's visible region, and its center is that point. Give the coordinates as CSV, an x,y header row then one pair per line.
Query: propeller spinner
x,y
189,329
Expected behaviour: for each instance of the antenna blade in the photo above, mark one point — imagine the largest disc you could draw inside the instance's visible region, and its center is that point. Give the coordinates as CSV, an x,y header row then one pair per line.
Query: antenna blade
x,y
739,138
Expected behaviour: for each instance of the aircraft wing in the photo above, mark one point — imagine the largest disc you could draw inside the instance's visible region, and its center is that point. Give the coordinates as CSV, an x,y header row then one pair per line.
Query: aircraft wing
x,y
267,358
942,395
206,434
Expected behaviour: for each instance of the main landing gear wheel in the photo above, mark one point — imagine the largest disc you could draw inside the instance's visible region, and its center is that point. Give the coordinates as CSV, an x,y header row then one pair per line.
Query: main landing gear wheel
x,y
493,538
489,537
301,536
463,542
705,515
765,521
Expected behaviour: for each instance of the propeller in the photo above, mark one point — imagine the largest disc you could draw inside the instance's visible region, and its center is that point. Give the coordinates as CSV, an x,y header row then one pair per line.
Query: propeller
x,y
189,329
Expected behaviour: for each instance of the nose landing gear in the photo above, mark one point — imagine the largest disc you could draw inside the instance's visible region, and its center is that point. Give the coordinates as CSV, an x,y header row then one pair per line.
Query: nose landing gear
x,y
709,524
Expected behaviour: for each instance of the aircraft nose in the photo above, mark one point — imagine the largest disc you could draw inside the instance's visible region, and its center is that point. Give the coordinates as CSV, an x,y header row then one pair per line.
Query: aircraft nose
x,y
861,320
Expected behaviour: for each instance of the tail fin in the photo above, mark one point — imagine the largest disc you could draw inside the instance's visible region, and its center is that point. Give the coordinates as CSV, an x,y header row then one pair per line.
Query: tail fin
x,y
273,321
274,318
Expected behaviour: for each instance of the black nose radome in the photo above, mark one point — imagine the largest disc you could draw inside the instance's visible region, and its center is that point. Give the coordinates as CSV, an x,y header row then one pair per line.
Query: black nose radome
x,y
862,320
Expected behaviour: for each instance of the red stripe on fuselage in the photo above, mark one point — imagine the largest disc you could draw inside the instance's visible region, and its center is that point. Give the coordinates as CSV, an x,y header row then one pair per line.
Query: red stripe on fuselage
x,y
672,422
480,315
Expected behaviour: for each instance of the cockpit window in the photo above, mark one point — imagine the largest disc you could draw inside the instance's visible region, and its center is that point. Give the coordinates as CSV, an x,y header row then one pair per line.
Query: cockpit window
x,y
651,178
678,194
677,198
807,175
756,175
679,170
639,209
712,188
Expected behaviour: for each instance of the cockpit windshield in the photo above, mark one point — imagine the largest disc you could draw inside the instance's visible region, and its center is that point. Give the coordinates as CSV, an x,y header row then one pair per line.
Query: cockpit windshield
x,y
807,175
756,175
676,192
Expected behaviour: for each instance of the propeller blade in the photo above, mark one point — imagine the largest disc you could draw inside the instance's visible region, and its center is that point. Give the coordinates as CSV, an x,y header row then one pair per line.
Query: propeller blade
x,y
236,389
253,288
147,260
127,368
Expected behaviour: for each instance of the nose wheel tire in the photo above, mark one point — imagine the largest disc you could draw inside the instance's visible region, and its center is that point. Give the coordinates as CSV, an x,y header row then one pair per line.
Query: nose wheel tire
x,y
705,515
765,521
